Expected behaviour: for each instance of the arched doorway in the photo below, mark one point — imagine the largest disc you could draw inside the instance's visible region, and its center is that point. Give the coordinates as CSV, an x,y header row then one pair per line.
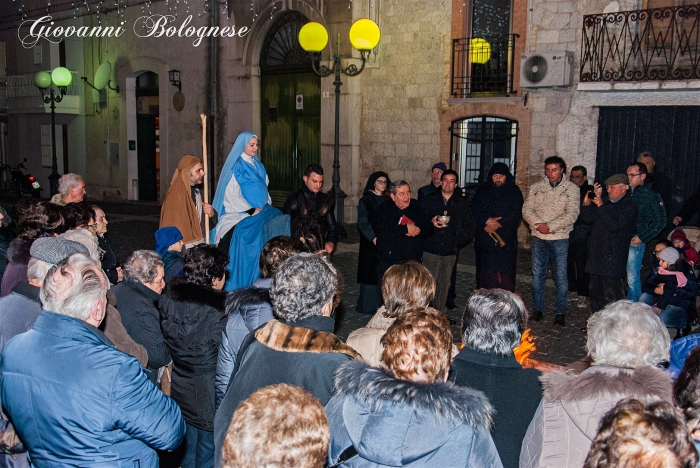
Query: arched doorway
x,y
479,142
290,97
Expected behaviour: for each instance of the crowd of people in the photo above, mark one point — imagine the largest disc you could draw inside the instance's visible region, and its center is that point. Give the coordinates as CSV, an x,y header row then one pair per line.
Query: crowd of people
x,y
218,345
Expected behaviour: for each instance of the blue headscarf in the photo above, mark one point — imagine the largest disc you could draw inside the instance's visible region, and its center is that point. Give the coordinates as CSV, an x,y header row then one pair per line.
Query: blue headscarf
x,y
165,237
251,179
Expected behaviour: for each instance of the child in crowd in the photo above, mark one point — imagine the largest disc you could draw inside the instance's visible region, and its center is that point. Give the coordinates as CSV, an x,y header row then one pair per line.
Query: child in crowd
x,y
670,291
680,241
169,246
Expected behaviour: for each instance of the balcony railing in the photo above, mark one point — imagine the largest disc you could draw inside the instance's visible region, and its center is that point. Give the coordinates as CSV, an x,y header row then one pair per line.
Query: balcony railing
x,y
483,66
19,86
654,44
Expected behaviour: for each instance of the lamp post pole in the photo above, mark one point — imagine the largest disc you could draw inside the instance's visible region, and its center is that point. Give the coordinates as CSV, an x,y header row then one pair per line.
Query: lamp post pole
x,y
337,69
61,78
53,178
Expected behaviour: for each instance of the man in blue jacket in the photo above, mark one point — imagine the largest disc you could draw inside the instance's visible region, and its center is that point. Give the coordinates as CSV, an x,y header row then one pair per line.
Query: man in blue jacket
x,y
76,400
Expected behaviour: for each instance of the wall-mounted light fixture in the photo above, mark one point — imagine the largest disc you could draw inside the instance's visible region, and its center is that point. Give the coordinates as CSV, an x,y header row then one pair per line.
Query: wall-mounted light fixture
x,y
174,76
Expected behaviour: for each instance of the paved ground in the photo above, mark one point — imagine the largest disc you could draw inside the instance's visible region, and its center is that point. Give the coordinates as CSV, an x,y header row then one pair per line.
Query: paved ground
x,y
131,226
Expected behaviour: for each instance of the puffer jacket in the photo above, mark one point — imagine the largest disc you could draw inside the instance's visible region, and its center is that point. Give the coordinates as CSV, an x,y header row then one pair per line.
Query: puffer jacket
x,y
77,401
366,340
566,421
192,319
394,422
557,206
249,308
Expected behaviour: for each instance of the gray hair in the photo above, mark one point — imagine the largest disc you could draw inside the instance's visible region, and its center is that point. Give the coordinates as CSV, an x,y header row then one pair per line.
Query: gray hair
x,y
37,270
494,320
142,266
87,238
627,334
303,284
395,185
67,182
73,287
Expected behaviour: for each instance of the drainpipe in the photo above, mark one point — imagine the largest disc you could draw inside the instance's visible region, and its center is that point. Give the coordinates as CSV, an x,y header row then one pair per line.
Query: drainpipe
x,y
213,96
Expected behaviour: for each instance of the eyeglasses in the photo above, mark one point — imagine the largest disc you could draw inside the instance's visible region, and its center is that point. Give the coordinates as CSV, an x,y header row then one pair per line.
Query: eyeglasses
x,y
94,226
633,175
657,252
381,182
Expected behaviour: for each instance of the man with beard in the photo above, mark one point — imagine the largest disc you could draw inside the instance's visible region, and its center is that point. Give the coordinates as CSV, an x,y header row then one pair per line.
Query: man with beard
x,y
497,207
183,206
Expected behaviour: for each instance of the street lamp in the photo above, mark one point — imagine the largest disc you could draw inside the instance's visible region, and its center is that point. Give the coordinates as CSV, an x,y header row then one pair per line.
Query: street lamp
x,y
60,77
313,38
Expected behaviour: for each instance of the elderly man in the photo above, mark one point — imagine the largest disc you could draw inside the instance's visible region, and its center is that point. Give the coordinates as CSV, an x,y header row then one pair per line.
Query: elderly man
x,y
551,209
75,399
651,220
401,227
613,225
658,181
316,204
497,206
71,189
435,180
297,348
183,206
627,342
441,249
492,325
137,302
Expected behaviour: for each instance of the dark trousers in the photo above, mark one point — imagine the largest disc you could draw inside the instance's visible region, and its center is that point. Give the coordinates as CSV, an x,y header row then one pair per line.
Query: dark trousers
x,y
648,259
452,292
576,267
605,290
225,241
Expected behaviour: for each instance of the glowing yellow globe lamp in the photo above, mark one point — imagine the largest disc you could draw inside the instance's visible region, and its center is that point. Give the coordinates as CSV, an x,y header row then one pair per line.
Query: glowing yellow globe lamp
x,y
479,50
364,34
313,37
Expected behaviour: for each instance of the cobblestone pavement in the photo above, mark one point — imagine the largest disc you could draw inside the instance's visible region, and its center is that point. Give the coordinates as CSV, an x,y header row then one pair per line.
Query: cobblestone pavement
x,y
131,227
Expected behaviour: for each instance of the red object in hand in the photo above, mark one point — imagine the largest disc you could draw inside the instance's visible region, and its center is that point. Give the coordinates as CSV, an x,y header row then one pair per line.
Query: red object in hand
x,y
405,220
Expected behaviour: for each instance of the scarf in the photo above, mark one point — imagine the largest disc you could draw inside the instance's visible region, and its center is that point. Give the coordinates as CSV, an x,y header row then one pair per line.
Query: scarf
x,y
680,277
251,178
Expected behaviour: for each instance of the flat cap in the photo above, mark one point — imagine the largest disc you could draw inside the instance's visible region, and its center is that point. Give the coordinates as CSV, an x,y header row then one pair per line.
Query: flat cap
x,y
54,249
617,179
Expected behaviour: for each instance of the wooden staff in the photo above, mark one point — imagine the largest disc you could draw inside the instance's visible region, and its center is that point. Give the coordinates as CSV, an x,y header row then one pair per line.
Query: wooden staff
x,y
205,197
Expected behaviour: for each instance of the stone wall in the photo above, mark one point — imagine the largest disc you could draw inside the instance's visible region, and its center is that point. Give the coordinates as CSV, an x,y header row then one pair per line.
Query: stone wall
x,y
401,98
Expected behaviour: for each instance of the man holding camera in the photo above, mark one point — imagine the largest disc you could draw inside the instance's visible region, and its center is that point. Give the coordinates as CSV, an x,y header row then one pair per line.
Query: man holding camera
x,y
613,225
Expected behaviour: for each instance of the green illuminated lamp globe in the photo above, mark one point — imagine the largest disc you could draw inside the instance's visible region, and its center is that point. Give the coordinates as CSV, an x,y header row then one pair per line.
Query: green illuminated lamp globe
x,y
42,79
61,76
313,37
364,34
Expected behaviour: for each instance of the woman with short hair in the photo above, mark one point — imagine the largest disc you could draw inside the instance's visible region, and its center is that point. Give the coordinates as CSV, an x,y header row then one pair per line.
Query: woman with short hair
x,y
405,413
192,319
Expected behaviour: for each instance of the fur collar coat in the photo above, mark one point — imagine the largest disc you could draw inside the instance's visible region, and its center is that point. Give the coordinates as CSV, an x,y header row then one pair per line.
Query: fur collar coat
x,y
567,418
395,422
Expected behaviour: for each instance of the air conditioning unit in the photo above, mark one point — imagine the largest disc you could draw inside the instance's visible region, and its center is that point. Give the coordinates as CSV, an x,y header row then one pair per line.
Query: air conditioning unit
x,y
546,69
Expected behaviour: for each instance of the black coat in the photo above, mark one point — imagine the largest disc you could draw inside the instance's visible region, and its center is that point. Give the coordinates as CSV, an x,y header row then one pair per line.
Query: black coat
x,y
140,316
505,202
515,402
581,230
192,319
313,200
661,185
393,245
367,265
109,258
690,206
448,240
612,227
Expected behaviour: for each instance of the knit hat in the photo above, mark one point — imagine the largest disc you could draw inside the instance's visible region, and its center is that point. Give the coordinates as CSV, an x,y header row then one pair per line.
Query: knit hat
x,y
54,249
669,255
441,165
617,179
165,237
679,234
